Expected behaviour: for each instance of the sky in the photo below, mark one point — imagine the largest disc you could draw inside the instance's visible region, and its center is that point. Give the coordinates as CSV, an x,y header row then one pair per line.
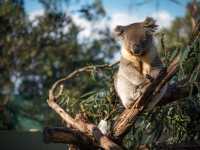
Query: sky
x,y
122,12
145,9
113,6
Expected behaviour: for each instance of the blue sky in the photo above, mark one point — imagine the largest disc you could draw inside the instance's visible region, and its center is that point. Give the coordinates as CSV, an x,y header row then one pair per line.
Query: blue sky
x,y
113,6
122,12
128,8
125,5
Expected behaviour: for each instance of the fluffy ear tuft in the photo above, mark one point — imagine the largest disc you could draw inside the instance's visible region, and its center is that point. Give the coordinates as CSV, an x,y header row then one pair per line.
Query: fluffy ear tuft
x,y
150,25
119,30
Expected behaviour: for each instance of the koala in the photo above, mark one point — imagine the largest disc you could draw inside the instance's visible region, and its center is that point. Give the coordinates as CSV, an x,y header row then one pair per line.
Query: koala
x,y
140,62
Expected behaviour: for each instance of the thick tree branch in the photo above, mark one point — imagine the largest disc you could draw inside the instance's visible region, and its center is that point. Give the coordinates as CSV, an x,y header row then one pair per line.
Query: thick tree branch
x,y
88,129
68,136
80,124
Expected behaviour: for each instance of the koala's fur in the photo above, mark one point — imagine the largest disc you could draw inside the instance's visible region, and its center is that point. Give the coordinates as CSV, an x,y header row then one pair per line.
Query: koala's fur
x,y
139,62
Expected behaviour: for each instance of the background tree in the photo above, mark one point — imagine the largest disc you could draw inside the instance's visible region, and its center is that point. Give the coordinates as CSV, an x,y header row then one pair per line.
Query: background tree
x,y
36,53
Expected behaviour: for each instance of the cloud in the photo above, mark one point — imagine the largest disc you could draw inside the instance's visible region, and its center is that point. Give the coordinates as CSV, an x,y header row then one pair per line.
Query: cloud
x,y
123,19
84,24
34,14
163,18
88,28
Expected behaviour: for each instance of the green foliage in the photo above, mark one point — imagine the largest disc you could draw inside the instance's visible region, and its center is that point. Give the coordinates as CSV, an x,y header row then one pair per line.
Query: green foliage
x,y
35,53
99,103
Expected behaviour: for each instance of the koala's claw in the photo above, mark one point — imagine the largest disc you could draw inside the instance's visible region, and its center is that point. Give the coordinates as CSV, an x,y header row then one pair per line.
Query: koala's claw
x,y
150,78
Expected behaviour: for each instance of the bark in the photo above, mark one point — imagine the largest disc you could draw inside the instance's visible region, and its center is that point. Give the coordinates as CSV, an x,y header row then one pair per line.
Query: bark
x,y
88,129
68,136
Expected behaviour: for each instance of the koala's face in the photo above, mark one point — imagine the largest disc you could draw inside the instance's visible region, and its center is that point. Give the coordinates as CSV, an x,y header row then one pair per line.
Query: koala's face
x,y
136,37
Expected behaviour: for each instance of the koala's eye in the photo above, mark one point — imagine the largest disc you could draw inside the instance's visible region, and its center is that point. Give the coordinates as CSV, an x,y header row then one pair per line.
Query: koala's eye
x,y
135,45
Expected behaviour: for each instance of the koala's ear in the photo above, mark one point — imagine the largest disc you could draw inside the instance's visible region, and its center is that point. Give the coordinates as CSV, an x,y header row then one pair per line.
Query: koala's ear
x,y
150,25
119,30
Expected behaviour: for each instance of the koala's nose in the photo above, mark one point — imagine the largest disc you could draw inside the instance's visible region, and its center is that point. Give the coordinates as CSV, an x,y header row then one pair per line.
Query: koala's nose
x,y
136,50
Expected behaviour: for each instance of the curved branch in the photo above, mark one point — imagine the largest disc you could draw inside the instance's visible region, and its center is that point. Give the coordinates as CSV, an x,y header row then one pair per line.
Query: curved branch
x,y
74,73
80,124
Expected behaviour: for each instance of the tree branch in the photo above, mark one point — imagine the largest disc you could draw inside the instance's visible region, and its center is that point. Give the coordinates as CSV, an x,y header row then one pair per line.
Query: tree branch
x,y
88,129
127,118
80,124
68,136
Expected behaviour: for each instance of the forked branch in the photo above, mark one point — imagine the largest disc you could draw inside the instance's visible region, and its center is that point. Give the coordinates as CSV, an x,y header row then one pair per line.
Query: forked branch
x,y
79,123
